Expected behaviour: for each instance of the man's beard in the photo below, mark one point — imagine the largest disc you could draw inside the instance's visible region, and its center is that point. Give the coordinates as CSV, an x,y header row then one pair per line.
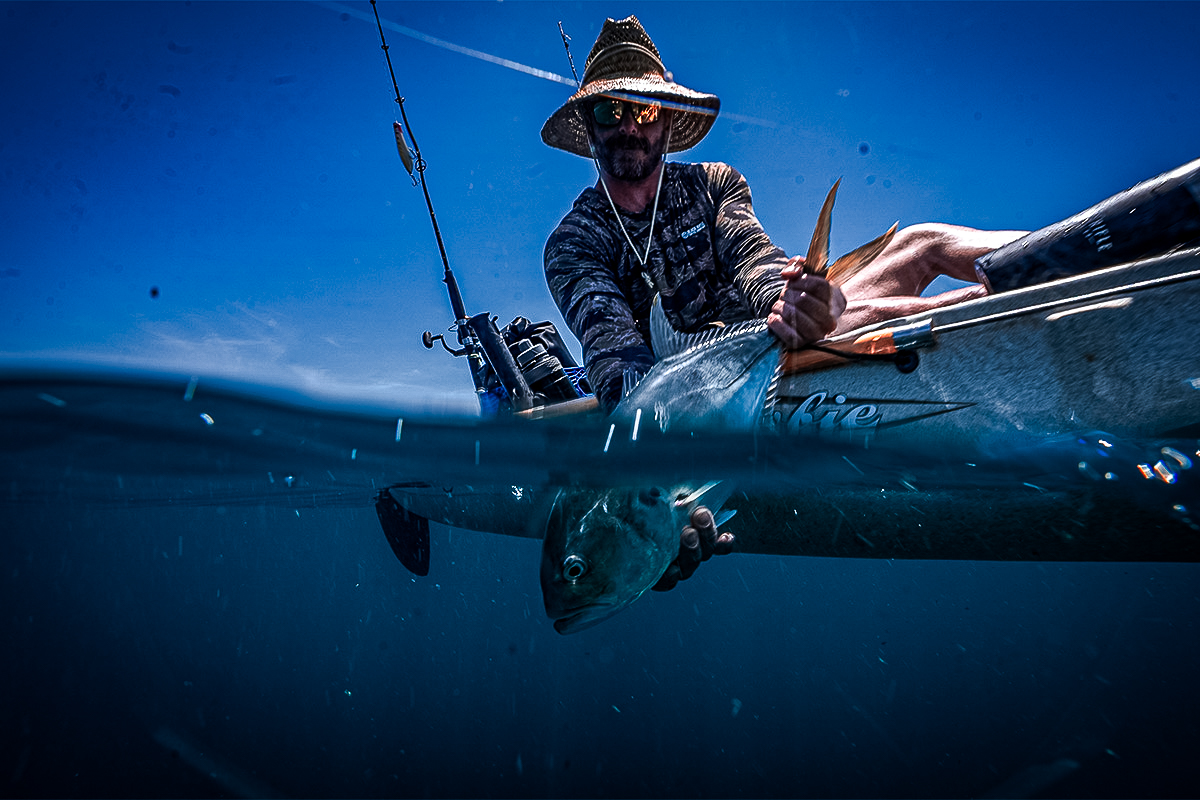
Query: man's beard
x,y
629,158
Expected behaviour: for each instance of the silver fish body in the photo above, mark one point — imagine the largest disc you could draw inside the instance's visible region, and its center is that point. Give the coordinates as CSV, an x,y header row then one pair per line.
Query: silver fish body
x,y
722,377
688,383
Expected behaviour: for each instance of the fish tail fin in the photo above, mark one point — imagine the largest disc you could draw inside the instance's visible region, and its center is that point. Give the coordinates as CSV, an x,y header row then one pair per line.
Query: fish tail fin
x,y
817,260
849,265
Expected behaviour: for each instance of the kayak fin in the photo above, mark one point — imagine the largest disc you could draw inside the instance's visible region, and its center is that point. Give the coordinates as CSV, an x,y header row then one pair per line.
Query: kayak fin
x,y
406,532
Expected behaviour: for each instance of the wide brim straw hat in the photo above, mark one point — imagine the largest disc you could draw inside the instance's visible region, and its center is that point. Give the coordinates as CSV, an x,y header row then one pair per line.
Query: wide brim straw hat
x,y
624,63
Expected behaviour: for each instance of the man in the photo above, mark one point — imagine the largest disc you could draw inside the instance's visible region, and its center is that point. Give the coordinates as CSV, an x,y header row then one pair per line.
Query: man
x,y
688,233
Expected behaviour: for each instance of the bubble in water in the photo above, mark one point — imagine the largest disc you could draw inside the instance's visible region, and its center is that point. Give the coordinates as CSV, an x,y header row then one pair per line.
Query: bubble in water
x,y
1181,458
1165,473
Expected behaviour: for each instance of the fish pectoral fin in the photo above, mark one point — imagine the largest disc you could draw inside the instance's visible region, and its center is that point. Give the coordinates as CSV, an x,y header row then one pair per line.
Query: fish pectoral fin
x,y
817,260
724,517
698,495
849,265
713,495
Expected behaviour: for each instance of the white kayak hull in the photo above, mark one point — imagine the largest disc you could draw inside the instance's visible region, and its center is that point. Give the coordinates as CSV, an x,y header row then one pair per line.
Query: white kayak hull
x,y
1112,350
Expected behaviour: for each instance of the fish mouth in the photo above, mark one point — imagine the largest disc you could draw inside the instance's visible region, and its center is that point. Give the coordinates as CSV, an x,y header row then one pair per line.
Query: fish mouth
x,y
585,617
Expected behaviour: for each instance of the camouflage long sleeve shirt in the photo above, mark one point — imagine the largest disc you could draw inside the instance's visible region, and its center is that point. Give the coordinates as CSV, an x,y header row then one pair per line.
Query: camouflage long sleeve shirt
x,y
710,261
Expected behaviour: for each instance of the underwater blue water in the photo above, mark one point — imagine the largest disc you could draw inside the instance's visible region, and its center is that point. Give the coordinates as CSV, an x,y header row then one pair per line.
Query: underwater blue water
x,y
200,602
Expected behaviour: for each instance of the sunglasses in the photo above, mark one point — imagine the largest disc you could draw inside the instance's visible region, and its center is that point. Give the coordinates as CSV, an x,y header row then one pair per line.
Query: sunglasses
x,y
608,113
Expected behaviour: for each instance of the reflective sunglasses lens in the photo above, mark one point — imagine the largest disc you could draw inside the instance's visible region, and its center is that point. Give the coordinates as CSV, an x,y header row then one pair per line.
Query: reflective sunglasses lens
x,y
645,114
607,113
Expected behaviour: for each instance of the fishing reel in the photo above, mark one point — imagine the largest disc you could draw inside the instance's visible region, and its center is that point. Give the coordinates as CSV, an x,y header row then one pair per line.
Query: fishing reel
x,y
524,365
543,372
498,379
427,339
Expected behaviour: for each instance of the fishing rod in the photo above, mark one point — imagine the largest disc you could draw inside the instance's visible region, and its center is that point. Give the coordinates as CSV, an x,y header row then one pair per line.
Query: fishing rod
x,y
480,340
566,40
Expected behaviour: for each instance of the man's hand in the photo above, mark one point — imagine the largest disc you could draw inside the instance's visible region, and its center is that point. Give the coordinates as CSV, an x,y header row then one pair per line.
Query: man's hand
x,y
808,308
698,542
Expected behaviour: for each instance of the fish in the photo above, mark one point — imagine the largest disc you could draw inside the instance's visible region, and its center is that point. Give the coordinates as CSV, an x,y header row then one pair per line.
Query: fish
x,y
721,376
603,548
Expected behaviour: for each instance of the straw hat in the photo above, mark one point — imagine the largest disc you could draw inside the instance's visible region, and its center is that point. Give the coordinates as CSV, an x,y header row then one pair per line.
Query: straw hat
x,y
624,63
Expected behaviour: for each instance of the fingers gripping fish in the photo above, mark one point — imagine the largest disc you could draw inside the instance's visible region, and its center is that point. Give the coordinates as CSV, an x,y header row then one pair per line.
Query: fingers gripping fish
x,y
604,548
720,377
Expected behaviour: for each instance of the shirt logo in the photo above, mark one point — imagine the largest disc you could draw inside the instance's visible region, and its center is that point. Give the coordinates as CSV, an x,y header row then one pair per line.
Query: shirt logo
x,y
692,231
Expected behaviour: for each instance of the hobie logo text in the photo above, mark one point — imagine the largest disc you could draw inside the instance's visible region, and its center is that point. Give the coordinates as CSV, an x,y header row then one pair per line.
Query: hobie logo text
x,y
819,411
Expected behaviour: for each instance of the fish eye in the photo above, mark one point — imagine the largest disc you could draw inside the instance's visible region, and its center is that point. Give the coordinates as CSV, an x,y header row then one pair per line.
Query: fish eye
x,y
574,567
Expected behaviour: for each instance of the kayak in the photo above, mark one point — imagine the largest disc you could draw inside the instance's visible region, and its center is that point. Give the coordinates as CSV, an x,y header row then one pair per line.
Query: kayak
x,y
1066,405
1111,350
1083,394
1087,325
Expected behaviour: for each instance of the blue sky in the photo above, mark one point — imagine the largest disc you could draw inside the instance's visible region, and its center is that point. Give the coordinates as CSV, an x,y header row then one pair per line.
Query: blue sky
x,y
239,158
